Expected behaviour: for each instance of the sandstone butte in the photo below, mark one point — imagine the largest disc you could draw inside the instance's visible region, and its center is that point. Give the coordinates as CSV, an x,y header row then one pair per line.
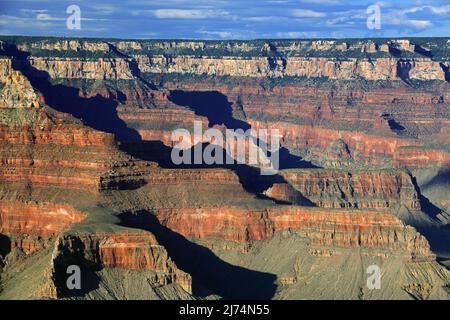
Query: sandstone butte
x,y
86,176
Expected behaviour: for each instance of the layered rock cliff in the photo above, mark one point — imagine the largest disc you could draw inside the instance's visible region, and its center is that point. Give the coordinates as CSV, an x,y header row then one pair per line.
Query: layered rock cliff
x,y
384,60
87,179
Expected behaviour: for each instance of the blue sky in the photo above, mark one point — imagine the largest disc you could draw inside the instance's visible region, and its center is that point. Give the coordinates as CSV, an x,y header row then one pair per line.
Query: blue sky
x,y
220,19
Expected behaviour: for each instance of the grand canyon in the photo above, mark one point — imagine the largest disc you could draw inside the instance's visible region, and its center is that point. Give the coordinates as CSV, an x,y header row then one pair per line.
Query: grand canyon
x,y
86,176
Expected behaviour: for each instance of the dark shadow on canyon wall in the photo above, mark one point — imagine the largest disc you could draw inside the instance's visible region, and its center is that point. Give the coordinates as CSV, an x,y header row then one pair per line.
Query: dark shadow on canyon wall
x,y
446,70
438,236
97,112
210,104
403,69
217,109
210,274
426,205
134,67
420,50
394,51
5,245
66,257
441,179
393,124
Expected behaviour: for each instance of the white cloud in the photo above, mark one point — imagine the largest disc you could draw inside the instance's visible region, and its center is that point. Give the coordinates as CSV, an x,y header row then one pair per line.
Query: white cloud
x,y
24,23
47,17
265,18
321,1
400,17
419,24
105,8
224,34
382,4
305,13
186,13
440,10
33,10
392,17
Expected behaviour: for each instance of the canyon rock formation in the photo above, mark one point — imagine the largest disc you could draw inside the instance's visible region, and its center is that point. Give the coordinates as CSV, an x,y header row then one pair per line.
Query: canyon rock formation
x,y
86,176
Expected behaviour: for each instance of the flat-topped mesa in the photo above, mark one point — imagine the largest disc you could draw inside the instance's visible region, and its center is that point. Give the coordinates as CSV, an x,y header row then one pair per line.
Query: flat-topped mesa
x,y
250,47
131,250
339,189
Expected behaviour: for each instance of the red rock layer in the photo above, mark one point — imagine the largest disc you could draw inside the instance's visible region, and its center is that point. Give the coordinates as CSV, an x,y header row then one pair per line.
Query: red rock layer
x,y
364,121
34,219
341,104
319,143
28,226
27,245
66,155
325,114
363,148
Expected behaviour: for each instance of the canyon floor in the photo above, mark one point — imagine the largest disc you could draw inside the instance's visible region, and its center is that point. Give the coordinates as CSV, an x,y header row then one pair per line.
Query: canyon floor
x,y
87,178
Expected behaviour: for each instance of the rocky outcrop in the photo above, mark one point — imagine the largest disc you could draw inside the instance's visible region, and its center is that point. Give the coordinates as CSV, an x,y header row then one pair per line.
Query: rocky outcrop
x,y
128,250
5,68
18,93
363,149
